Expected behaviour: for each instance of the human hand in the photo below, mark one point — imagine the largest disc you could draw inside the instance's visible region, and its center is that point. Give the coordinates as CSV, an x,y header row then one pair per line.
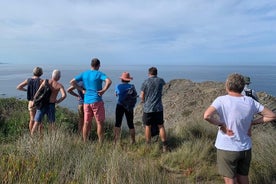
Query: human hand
x,y
226,131
101,92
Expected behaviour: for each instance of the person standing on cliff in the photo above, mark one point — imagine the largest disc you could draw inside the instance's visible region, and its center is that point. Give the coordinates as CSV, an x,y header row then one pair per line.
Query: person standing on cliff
x,y
50,108
248,91
80,97
234,114
125,106
151,97
32,84
93,103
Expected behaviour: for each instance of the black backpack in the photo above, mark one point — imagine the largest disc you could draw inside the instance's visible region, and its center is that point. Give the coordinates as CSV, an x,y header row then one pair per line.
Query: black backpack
x,y
42,97
250,94
130,98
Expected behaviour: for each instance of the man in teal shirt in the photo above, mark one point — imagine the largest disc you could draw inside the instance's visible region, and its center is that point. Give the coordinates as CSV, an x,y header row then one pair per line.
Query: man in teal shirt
x,y
93,104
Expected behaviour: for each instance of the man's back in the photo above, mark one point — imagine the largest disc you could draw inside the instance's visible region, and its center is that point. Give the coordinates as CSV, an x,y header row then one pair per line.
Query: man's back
x,y
56,87
152,88
92,82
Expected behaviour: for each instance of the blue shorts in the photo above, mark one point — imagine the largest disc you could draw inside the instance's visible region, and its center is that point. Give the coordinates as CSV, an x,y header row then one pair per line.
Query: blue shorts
x,y
50,110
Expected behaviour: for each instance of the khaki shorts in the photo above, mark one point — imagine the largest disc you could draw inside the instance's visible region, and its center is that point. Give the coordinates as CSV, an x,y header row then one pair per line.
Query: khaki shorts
x,y
231,163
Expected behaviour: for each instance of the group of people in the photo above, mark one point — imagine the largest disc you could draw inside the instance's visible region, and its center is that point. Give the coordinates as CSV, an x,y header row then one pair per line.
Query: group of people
x,y
233,114
34,85
90,89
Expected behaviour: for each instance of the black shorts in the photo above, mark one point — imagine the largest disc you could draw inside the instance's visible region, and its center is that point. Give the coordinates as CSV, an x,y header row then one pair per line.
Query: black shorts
x,y
153,118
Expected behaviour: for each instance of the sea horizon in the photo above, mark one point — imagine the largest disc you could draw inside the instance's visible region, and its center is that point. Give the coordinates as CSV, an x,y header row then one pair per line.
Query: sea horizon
x,y
262,77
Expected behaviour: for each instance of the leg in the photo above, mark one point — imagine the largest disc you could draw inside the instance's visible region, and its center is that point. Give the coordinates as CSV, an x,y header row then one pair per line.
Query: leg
x,y
148,134
129,117
85,130
32,115
132,135
229,180
32,111
99,113
38,119
117,132
243,167
119,118
242,179
100,131
88,114
147,122
81,118
162,133
51,113
34,128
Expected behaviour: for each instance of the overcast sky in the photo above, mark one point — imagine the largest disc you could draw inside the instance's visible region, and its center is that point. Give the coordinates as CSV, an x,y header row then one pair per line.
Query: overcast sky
x,y
138,31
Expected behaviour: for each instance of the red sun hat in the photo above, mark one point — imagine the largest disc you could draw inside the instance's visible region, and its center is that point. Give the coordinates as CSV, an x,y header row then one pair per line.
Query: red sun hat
x,y
126,76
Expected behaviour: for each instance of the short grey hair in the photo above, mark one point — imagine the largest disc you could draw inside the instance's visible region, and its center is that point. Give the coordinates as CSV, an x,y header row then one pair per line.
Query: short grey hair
x,y
56,74
37,71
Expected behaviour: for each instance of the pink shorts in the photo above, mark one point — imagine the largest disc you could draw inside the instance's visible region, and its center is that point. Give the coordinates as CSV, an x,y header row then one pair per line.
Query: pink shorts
x,y
94,110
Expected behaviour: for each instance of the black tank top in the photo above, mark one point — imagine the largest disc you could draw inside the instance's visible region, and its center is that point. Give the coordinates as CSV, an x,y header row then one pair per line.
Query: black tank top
x,y
33,85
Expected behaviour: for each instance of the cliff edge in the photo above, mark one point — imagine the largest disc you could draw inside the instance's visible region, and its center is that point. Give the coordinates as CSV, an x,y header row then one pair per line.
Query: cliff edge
x,y
185,101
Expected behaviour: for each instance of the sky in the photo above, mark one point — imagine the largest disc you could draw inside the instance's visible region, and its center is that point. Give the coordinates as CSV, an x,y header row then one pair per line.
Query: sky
x,y
134,32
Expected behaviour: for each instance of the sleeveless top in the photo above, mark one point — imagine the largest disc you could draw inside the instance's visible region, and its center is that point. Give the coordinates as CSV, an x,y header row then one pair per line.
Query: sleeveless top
x,y
33,85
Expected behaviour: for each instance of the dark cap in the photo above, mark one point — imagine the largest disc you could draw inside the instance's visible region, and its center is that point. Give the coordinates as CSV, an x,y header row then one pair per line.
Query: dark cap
x,y
247,80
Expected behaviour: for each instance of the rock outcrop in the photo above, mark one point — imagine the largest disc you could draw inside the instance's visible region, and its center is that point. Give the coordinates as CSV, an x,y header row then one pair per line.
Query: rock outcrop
x,y
185,101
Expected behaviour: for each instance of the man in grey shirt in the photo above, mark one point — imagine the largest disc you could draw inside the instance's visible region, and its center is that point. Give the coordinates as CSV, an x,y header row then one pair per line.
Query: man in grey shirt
x,y
151,96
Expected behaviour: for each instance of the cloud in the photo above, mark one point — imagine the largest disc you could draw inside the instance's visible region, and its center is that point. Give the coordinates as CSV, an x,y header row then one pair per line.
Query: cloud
x,y
135,28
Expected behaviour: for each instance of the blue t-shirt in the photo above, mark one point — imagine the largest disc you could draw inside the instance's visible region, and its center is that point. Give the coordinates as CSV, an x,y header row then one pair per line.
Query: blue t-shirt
x,y
92,83
152,88
121,90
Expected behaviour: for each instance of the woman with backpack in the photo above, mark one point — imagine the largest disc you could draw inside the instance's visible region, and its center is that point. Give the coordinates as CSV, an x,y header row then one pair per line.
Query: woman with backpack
x,y
127,98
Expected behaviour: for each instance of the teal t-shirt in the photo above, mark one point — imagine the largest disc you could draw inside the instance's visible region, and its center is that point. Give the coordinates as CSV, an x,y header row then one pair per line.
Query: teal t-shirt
x,y
92,83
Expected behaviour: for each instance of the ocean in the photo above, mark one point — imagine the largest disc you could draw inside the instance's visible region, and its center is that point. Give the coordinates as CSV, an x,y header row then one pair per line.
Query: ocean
x,y
262,78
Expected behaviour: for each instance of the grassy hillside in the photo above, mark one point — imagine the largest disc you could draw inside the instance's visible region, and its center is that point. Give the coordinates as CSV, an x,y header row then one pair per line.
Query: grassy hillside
x,y
62,157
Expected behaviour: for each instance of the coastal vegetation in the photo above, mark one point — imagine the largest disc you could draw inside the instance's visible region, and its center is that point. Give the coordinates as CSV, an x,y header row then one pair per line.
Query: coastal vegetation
x,y
61,156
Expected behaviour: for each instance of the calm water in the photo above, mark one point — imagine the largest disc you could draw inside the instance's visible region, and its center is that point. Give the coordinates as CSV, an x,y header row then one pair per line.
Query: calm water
x,y
262,77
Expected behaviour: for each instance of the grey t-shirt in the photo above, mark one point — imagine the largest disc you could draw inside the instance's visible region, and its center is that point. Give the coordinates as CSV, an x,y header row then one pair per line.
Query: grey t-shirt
x,y
152,88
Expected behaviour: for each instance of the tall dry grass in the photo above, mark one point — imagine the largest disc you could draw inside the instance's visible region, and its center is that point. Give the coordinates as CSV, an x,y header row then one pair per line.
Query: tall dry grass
x,y
62,157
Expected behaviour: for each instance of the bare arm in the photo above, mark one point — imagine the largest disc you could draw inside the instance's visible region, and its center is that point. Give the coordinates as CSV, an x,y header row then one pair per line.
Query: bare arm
x,y
108,82
63,94
267,116
22,85
142,96
73,83
209,115
71,91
